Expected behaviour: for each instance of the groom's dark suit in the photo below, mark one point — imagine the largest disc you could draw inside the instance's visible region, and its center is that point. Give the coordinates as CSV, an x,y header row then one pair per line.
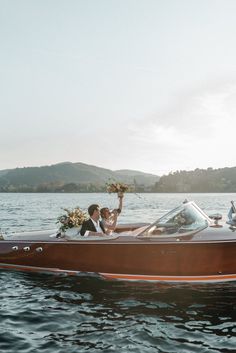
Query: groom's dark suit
x,y
88,225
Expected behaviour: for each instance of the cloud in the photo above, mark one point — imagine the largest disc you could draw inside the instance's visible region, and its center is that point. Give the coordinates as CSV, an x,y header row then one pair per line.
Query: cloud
x,y
202,108
198,134
196,130
158,135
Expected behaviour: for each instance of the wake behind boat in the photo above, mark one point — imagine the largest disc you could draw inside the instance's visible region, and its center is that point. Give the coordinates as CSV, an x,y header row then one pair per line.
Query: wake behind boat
x,y
184,245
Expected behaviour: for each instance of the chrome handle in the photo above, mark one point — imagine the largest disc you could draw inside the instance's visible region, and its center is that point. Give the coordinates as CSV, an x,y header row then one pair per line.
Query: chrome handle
x,y
26,248
15,248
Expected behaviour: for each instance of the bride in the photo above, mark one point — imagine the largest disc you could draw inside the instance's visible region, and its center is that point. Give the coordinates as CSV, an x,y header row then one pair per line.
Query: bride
x,y
109,218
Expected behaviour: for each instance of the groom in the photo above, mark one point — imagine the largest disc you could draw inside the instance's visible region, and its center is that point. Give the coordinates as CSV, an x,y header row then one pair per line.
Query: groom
x,y
92,226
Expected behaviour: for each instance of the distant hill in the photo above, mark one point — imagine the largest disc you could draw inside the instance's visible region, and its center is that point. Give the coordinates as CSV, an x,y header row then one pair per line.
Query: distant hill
x,y
139,177
198,180
78,175
81,177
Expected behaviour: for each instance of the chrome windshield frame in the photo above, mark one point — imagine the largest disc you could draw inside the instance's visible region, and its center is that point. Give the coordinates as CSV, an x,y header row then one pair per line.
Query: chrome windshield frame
x,y
200,220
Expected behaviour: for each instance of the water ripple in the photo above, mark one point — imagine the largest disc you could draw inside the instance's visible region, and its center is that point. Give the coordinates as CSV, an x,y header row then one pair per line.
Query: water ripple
x,y
50,314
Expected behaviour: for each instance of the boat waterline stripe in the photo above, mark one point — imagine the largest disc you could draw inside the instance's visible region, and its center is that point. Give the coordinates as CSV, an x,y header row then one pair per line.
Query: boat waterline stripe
x,y
210,278
129,277
36,269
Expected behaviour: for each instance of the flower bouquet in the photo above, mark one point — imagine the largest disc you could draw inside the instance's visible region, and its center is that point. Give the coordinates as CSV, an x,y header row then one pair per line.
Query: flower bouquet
x,y
72,219
118,188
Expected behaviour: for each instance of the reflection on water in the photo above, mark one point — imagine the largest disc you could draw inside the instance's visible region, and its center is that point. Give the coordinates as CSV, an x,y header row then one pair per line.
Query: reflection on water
x,y
76,314
44,313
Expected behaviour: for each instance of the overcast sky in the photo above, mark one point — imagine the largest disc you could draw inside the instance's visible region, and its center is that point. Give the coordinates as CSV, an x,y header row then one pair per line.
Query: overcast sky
x,y
148,85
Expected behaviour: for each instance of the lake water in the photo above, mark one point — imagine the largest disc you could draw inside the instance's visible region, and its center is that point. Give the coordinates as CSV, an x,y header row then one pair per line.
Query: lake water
x,y
46,313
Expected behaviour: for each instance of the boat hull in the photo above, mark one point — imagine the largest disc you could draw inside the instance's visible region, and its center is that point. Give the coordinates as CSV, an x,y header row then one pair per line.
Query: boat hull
x,y
126,260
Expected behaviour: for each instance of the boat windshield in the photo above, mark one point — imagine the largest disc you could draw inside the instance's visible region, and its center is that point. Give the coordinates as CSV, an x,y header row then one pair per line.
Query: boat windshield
x,y
182,220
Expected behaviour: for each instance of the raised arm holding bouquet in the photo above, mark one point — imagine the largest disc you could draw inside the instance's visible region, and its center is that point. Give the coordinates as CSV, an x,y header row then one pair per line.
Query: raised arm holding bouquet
x,y
118,188
109,218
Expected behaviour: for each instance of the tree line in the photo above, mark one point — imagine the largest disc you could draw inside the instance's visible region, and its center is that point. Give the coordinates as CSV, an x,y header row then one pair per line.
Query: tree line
x,y
199,180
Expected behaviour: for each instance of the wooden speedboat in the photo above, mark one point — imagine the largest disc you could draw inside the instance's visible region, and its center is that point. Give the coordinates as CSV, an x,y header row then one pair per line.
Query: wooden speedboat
x,y
185,245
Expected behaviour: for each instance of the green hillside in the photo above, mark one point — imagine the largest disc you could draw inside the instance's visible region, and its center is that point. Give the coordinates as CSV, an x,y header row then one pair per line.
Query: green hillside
x,y
199,180
69,177
81,177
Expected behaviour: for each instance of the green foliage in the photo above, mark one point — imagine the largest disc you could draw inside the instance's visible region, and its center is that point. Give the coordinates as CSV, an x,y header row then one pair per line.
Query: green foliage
x,y
79,177
68,177
199,180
